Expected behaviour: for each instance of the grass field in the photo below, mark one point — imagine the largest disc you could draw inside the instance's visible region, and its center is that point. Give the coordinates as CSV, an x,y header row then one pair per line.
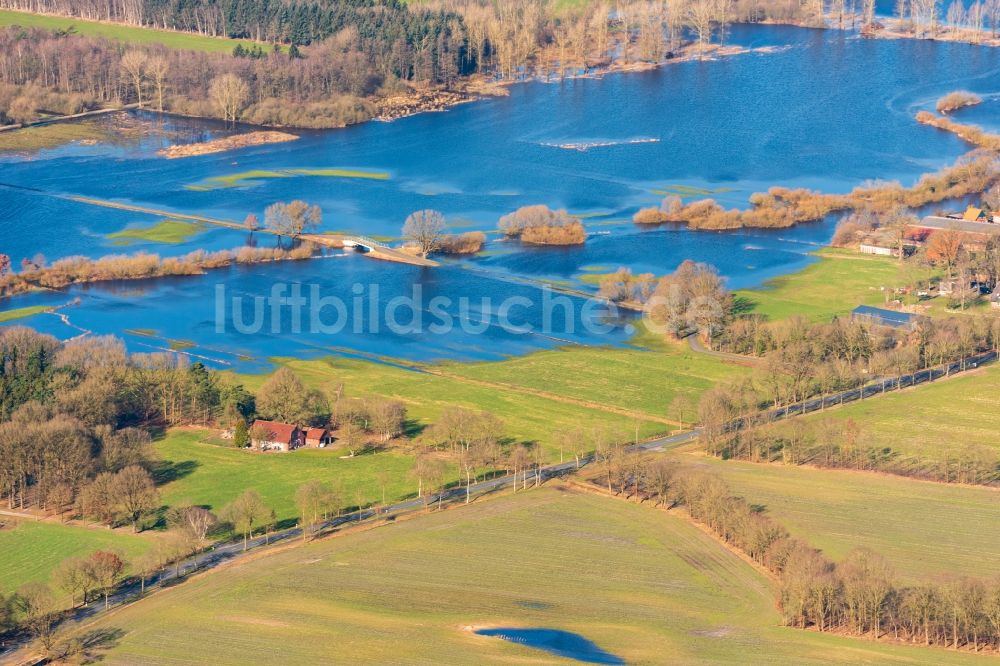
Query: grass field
x,y
926,530
833,286
22,313
526,416
124,33
636,379
164,231
31,550
934,422
50,136
212,474
641,584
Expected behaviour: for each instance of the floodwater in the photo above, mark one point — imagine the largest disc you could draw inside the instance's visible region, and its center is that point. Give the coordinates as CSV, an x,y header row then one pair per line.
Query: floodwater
x,y
820,109
555,641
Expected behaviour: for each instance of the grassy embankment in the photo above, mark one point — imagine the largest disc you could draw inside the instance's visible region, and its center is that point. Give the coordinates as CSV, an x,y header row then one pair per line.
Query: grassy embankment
x,y
925,529
32,550
164,231
123,33
644,585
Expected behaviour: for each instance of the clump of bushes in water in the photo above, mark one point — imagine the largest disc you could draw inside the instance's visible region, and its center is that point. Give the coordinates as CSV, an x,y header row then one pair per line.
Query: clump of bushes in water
x,y
782,207
75,270
956,100
777,208
970,133
540,225
470,242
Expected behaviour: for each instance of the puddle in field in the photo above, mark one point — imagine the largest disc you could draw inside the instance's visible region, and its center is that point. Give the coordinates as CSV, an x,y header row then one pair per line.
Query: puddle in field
x,y
555,641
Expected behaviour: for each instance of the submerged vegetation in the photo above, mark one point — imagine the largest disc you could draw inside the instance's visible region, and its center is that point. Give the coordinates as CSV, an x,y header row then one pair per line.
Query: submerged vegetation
x,y
255,176
164,231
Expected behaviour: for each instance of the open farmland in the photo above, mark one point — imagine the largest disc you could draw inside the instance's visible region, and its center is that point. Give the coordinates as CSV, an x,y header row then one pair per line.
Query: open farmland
x,y
32,550
932,424
925,529
641,584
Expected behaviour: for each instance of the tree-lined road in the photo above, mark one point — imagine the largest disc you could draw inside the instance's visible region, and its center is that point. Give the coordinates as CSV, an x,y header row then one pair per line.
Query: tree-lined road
x,y
230,551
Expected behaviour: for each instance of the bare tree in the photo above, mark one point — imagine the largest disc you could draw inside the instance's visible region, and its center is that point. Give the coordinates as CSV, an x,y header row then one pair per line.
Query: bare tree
x,y
292,219
245,513
699,16
426,229
230,93
134,494
314,499
133,64
158,68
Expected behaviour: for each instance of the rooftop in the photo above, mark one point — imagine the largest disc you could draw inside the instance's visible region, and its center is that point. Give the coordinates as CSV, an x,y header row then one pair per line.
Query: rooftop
x,y
886,317
938,222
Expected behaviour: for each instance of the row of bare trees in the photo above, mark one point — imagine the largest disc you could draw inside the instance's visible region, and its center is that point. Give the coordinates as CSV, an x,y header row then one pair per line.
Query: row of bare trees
x,y
859,595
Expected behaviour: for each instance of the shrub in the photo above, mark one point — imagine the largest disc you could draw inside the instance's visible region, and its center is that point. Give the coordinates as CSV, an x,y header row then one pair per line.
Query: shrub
x,y
470,242
956,100
571,233
650,215
514,224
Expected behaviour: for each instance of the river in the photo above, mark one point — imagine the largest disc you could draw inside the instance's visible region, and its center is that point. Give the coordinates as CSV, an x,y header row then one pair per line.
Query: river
x,y
820,109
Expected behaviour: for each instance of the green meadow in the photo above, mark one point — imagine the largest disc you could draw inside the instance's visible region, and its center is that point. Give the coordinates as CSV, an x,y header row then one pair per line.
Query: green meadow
x,y
32,550
123,33
641,379
256,176
925,529
164,231
527,416
211,472
932,423
642,584
831,287
22,313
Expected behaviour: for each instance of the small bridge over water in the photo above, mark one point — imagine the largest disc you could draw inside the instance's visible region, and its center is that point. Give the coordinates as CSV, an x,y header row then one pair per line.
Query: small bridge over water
x,y
369,247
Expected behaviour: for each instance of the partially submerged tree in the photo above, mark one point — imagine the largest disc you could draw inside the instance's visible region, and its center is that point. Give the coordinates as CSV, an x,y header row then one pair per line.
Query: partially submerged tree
x,y
292,219
426,229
